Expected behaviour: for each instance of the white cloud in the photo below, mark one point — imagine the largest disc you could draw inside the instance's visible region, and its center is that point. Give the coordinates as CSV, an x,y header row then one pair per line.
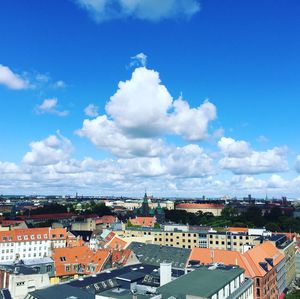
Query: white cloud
x,y
191,123
139,60
50,106
59,84
241,159
297,166
106,135
140,113
233,148
11,79
149,10
51,150
140,105
91,110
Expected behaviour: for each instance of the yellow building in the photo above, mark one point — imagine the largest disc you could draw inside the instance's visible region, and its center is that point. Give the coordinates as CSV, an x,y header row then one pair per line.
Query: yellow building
x,y
179,239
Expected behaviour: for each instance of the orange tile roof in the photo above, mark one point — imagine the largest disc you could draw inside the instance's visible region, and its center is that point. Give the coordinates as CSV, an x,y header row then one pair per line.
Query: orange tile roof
x,y
58,233
204,255
106,219
199,206
143,221
82,256
29,234
24,234
120,257
249,260
116,243
258,254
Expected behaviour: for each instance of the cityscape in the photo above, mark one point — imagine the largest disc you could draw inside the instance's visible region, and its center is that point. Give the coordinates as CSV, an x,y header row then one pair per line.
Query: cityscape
x,y
149,149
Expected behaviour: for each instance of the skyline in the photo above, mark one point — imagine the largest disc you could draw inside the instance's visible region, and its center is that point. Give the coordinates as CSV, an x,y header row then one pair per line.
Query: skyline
x,y
189,99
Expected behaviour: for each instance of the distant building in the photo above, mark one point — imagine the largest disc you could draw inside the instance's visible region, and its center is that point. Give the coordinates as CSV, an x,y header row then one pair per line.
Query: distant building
x,y
146,211
213,208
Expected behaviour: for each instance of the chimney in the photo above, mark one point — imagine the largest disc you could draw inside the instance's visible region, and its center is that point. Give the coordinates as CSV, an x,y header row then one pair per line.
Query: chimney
x,y
165,273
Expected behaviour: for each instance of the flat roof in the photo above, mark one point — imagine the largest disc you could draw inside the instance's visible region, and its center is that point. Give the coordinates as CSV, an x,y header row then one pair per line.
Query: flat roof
x,y
201,282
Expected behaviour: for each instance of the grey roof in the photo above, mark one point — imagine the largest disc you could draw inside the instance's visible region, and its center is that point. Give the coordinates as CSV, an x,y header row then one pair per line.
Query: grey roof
x,y
44,260
153,254
131,276
62,291
19,269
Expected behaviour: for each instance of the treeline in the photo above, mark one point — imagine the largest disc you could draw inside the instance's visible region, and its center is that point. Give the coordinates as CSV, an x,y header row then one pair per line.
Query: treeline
x,y
274,220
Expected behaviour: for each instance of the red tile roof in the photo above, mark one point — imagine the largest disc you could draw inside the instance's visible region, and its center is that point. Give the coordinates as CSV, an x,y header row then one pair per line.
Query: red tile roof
x,y
143,221
66,260
106,219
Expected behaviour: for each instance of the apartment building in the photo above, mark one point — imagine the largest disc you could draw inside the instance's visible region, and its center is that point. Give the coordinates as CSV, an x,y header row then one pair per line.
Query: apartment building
x,y
30,243
264,264
230,241
182,239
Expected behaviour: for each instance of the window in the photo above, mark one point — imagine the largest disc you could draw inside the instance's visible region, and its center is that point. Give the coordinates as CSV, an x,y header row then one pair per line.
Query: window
x,y
61,236
45,236
53,236
9,238
3,238
32,237
25,237
20,283
39,236
62,258
67,268
19,238
49,268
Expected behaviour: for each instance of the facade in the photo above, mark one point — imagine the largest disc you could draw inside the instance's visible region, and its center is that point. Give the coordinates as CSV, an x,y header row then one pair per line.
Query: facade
x,y
215,209
30,243
88,224
289,250
20,280
230,241
174,238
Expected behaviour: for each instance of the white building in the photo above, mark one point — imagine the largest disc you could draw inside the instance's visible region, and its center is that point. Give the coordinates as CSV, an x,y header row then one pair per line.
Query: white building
x,y
30,243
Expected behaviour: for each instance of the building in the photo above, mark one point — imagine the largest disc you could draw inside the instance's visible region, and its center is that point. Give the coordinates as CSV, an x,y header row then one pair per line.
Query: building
x,y
213,208
72,262
61,291
88,224
288,249
214,282
181,239
30,243
146,211
20,280
264,264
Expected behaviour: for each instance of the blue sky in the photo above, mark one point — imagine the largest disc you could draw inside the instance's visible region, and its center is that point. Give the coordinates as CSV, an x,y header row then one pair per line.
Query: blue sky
x,y
56,58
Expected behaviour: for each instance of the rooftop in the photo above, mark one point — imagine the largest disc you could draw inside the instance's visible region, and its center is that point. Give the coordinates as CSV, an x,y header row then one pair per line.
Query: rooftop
x,y
202,282
153,254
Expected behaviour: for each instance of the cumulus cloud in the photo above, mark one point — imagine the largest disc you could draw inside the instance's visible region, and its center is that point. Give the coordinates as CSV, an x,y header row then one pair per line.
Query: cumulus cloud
x,y
11,80
50,106
105,134
91,110
149,10
141,113
51,150
241,159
